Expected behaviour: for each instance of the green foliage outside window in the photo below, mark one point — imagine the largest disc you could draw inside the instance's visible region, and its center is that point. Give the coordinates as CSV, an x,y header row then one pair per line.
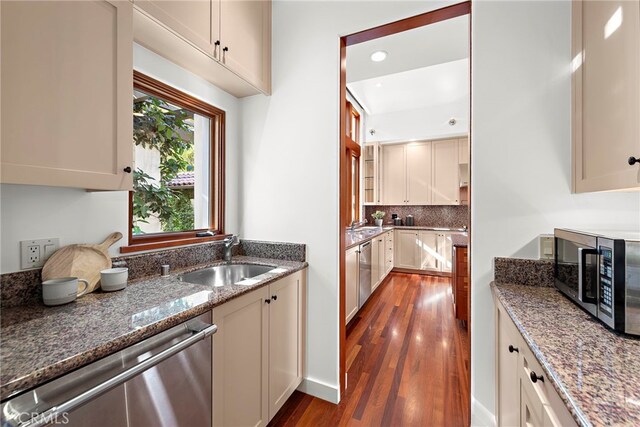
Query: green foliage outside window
x,y
167,130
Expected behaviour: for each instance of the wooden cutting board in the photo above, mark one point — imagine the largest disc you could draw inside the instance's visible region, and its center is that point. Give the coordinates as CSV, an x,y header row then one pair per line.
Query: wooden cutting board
x,y
81,261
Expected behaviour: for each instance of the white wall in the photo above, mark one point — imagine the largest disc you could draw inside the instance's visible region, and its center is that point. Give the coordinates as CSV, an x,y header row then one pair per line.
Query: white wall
x,y
290,151
423,123
77,216
521,155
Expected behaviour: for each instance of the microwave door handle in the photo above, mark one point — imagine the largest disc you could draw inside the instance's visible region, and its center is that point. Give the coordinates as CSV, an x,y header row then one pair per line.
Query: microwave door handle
x,y
582,262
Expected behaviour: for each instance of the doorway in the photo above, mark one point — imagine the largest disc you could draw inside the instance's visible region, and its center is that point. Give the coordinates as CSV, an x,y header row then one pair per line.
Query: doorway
x,y
399,126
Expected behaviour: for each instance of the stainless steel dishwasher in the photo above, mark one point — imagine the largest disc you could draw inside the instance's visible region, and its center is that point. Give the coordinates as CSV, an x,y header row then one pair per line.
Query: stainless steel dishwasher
x,y
165,380
364,268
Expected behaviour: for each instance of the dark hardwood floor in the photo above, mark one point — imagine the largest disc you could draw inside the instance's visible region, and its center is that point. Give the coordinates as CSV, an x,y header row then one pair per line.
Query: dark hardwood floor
x,y
407,362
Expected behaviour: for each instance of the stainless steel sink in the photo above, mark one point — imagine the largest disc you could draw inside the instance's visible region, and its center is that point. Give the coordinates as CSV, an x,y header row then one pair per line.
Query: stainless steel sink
x,y
226,274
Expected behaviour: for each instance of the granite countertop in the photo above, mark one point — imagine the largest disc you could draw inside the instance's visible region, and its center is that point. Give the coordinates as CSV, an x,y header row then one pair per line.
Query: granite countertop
x,y
460,240
354,238
595,371
40,343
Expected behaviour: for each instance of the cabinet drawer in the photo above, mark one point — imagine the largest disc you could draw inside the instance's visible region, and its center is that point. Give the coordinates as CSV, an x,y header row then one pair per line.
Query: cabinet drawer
x,y
529,368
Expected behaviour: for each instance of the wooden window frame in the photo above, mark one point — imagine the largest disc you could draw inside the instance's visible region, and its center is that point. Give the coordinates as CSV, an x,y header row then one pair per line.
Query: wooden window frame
x,y
161,90
353,151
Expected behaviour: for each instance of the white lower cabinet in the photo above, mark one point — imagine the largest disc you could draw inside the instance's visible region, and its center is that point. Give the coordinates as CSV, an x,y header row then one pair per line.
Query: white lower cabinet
x,y
424,250
388,251
522,402
407,246
258,352
352,282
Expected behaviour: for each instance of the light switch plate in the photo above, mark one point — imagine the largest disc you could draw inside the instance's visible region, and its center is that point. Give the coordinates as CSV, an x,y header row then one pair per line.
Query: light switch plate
x,y
546,246
34,253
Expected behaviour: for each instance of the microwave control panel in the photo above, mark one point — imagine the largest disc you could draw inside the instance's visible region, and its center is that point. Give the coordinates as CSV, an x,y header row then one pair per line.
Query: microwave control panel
x,y
606,280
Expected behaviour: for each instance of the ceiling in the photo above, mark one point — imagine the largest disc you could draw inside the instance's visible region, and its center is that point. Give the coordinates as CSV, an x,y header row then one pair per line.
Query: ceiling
x,y
433,44
433,86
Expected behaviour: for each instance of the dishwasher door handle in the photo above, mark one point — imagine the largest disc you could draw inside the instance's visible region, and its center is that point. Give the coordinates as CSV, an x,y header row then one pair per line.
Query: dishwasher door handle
x,y
71,404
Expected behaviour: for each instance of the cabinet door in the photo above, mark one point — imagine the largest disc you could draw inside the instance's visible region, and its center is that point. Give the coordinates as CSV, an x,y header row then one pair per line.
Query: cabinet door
x,y
67,86
407,245
375,263
606,94
445,246
446,183
463,151
419,173
240,361
507,369
388,249
285,339
351,294
394,178
245,31
197,21
429,250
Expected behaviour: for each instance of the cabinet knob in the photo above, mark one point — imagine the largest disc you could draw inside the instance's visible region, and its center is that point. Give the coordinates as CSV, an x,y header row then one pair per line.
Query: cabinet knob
x,y
215,49
268,301
224,54
535,377
633,160
127,169
512,349
275,297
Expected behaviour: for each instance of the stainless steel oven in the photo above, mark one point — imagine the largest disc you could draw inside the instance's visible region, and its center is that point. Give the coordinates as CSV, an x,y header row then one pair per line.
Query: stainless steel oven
x,y
576,267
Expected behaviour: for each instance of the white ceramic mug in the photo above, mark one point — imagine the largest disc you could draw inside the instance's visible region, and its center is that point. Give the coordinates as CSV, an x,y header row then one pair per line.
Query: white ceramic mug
x,y
114,279
62,290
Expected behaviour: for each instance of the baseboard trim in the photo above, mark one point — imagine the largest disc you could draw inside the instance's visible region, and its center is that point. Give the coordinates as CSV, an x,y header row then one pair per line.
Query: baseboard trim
x,y
480,415
320,390
422,272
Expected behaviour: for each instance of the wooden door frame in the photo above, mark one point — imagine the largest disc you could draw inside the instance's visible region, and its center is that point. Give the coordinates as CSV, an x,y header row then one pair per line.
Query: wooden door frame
x,y
406,24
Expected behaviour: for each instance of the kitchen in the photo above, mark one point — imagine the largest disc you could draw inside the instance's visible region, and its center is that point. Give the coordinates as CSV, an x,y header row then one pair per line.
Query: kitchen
x,y
521,157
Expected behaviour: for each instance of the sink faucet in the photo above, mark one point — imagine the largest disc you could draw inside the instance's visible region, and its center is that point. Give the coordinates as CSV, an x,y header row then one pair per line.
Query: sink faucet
x,y
229,243
355,224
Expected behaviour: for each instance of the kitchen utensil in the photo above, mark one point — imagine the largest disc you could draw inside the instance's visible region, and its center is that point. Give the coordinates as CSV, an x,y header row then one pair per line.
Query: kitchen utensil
x,y
62,290
114,279
83,261
409,220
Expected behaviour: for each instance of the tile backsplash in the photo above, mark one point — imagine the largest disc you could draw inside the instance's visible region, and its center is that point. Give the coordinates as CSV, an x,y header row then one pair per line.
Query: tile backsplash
x,y
428,216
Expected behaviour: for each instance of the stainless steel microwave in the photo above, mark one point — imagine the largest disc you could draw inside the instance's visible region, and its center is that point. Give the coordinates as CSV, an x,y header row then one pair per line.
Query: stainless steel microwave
x,y
601,273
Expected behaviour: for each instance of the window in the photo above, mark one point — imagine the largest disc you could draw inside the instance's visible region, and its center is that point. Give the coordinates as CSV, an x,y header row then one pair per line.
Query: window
x,y
178,181
353,150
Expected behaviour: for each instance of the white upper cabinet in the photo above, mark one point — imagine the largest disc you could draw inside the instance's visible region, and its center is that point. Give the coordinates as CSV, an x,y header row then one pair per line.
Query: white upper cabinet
x,y
245,36
197,21
419,173
446,181
394,176
227,42
606,95
67,86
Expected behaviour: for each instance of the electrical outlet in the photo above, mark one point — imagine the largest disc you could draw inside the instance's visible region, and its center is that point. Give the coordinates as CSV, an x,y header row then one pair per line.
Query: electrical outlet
x,y
34,253
546,246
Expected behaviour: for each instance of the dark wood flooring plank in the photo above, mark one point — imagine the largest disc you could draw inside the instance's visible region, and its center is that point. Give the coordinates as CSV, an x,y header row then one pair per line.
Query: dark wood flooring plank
x,y
408,362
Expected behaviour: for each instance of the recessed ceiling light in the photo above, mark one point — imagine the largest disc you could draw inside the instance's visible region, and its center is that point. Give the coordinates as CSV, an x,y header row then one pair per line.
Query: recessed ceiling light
x,y
378,55
378,84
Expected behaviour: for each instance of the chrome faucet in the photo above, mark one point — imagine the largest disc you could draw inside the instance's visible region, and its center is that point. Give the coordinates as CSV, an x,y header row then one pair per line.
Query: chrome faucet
x,y
229,243
355,224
